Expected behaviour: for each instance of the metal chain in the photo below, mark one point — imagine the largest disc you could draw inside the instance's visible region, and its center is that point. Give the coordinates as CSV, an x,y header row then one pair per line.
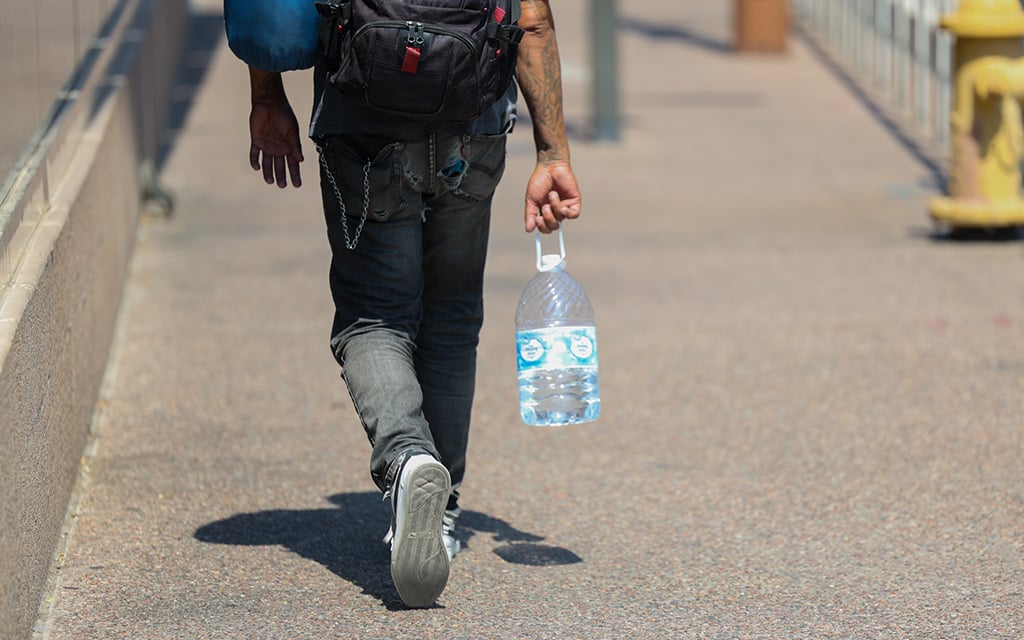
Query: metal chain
x,y
350,242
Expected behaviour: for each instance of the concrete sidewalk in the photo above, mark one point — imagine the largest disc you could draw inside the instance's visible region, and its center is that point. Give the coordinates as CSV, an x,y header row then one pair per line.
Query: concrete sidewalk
x,y
811,407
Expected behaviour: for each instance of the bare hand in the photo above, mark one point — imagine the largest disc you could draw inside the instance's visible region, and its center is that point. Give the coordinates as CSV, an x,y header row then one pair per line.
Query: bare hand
x,y
275,145
552,196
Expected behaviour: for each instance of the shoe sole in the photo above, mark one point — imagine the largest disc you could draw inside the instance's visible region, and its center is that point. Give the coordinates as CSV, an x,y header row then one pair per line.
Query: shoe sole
x,y
419,561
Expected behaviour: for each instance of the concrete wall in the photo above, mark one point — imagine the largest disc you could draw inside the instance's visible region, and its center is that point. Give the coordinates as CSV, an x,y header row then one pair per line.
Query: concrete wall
x,y
41,44
67,224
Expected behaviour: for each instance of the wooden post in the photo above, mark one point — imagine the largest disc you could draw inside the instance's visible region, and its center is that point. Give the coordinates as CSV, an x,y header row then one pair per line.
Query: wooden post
x,y
761,25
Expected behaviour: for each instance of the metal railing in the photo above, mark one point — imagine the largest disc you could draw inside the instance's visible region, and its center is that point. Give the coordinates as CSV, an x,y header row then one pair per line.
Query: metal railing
x,y
896,46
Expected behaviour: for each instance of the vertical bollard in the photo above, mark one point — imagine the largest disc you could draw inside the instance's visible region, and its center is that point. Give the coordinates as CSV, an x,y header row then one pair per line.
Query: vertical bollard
x,y
605,64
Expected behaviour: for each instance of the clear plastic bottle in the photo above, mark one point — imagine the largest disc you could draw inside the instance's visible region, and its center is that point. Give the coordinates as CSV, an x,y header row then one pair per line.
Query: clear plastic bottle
x,y
556,347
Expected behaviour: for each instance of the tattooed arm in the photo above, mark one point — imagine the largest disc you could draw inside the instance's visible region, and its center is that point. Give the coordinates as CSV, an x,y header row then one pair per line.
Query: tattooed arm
x,y
552,194
273,130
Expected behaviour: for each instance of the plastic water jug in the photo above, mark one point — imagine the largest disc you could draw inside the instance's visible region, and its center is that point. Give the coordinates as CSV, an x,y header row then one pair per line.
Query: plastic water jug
x,y
556,347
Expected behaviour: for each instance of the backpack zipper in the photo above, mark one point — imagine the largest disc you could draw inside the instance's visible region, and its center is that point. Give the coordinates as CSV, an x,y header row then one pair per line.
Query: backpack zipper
x,y
421,29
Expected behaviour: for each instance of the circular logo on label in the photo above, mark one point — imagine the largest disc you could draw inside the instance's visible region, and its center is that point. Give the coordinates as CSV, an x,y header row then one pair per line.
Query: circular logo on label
x,y
582,347
532,350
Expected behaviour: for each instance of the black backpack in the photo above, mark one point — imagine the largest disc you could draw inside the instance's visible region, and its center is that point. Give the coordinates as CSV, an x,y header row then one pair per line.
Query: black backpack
x,y
438,60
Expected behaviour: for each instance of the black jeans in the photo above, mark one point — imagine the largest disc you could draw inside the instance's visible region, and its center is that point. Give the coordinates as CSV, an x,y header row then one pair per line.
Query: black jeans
x,y
408,224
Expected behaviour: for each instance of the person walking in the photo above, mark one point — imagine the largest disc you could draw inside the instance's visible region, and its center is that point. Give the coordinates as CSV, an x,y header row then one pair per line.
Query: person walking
x,y
407,205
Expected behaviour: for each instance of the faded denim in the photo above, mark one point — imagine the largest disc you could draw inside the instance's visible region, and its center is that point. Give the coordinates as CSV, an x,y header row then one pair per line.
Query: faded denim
x,y
409,296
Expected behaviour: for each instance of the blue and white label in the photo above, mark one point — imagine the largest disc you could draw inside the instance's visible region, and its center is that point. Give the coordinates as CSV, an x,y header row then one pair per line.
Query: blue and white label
x,y
556,348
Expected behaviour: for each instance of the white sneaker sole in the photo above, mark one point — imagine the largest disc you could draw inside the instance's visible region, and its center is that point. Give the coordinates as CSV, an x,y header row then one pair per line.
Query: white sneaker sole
x,y
419,561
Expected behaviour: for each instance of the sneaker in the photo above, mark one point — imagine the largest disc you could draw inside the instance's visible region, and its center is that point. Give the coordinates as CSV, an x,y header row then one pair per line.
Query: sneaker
x,y
451,544
419,556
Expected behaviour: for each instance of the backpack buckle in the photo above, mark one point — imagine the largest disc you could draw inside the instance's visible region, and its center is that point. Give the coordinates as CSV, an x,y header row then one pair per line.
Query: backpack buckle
x,y
509,33
513,34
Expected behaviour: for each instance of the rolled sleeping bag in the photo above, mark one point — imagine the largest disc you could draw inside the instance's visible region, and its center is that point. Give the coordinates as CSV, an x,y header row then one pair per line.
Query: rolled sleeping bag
x,y
273,35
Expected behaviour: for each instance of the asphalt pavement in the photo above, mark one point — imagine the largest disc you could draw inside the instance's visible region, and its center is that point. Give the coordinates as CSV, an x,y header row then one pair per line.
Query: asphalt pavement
x,y
811,403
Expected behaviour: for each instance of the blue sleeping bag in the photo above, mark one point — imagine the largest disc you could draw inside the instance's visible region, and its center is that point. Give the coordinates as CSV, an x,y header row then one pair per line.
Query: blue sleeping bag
x,y
273,35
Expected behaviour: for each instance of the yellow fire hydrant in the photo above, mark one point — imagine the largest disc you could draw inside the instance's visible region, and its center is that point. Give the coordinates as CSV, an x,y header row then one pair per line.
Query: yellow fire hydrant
x,y
987,138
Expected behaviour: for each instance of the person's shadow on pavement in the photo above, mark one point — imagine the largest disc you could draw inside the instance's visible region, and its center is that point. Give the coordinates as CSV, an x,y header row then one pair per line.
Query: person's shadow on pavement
x,y
348,540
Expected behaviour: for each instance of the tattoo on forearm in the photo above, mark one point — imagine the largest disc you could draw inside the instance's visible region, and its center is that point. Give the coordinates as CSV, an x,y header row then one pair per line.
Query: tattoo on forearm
x,y
540,78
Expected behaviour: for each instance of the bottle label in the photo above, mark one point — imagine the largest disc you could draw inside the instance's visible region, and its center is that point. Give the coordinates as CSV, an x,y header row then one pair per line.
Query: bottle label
x,y
556,348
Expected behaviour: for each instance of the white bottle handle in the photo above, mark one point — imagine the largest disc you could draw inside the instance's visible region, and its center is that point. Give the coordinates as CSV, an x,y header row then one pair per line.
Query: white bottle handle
x,y
550,261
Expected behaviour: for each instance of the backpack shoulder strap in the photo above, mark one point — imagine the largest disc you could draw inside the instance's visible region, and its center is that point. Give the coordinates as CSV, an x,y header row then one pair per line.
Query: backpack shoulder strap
x,y
338,9
510,31
515,10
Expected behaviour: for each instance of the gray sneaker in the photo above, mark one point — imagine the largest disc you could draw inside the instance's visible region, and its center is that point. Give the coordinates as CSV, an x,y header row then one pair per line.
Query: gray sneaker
x,y
452,545
419,556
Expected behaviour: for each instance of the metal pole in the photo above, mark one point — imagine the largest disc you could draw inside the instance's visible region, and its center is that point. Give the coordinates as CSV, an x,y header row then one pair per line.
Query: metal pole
x,y
943,69
923,22
605,65
884,50
904,57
